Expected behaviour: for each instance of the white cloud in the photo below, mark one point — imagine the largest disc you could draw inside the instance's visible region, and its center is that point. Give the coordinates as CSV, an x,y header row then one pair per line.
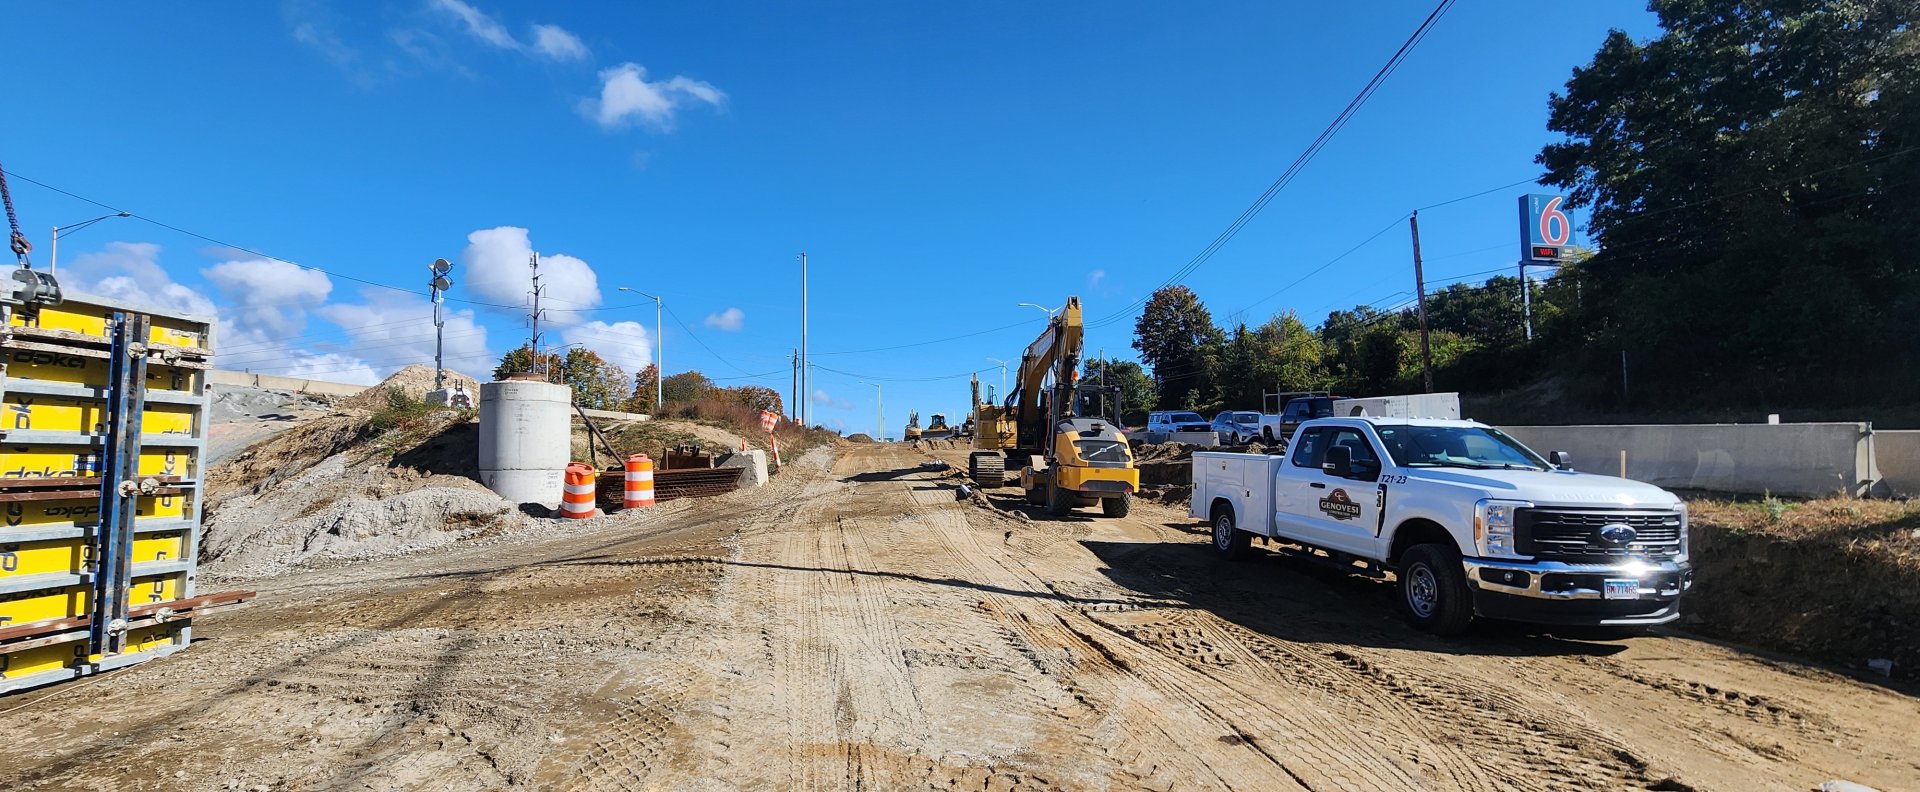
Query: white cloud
x,y
821,397
626,97
393,329
478,24
729,320
495,271
260,329
555,42
627,344
131,272
549,41
1095,278
270,297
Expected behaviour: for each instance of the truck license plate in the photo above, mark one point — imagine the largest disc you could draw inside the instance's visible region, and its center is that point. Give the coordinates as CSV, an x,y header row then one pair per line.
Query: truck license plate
x,y
1622,589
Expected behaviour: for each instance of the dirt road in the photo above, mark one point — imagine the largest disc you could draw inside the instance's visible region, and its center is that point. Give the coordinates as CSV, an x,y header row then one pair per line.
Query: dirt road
x,y
853,626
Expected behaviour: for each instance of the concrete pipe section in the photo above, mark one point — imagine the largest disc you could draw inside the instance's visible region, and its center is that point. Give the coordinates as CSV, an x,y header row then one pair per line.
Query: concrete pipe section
x,y
524,430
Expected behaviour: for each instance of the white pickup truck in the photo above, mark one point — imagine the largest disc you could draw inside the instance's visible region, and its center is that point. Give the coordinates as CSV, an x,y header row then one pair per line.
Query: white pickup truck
x,y
1473,523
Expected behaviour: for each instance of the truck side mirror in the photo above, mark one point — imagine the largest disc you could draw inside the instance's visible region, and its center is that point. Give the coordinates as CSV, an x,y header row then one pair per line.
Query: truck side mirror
x,y
1561,460
1339,462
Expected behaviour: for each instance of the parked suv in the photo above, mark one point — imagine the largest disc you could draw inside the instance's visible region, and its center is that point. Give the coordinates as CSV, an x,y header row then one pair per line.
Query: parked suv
x,y
1237,427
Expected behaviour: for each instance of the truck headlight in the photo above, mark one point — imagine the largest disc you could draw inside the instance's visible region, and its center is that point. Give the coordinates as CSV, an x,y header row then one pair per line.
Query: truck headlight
x,y
1493,527
1686,543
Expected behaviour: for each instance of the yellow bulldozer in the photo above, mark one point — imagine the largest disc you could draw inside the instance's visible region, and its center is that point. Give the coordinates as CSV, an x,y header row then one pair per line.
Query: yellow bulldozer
x,y
1064,437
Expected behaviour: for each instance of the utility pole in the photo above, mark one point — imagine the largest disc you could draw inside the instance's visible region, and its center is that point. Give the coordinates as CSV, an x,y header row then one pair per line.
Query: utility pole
x,y
805,375
1526,298
793,407
1420,297
533,343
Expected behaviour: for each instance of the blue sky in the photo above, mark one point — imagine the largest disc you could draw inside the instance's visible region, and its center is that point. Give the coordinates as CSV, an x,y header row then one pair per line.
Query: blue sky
x,y
940,164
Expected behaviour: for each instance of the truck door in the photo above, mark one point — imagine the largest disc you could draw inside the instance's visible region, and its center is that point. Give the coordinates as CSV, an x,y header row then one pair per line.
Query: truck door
x,y
1320,508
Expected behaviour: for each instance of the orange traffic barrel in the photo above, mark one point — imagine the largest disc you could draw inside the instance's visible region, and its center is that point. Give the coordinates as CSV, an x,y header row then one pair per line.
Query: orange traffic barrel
x,y
577,501
639,491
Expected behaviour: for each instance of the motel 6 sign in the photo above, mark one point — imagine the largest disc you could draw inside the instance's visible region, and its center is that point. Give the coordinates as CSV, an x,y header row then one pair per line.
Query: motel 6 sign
x,y
1545,228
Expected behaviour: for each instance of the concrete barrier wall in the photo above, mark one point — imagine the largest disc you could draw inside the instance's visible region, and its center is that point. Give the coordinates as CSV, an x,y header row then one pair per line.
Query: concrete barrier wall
x,y
1897,453
293,384
1805,460
612,415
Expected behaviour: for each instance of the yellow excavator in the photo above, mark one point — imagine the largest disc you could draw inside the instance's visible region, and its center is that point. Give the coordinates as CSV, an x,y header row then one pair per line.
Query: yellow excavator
x,y
1062,436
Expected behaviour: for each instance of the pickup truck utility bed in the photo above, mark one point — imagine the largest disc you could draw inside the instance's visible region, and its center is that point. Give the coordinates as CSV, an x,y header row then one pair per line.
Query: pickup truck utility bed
x,y
1472,522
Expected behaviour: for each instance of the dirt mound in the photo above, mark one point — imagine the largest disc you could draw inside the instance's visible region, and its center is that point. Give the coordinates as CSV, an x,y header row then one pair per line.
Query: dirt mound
x,y
340,488
415,380
1162,452
1766,580
859,437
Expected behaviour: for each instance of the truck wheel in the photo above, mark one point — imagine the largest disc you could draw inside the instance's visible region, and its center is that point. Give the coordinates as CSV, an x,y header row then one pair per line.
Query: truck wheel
x,y
1117,507
1433,589
1059,500
1266,433
1231,542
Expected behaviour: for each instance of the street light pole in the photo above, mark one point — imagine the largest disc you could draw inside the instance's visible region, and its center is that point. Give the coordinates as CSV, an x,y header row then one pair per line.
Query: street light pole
x,y
659,351
1049,311
806,364
880,411
1003,376
53,263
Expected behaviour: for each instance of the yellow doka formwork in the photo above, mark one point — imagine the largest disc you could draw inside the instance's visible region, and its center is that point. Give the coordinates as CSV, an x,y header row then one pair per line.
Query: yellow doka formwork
x,y
94,576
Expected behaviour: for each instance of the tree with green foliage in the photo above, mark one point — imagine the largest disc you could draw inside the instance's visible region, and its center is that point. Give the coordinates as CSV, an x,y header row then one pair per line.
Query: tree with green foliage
x,y
1136,388
646,393
597,383
687,387
522,360
1753,178
1177,338
757,397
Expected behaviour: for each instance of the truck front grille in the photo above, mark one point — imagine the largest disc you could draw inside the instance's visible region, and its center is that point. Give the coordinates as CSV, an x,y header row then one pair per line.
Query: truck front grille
x,y
1576,535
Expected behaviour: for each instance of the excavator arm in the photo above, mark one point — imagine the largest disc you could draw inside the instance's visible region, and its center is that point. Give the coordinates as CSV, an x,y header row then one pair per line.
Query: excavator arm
x,y
1056,352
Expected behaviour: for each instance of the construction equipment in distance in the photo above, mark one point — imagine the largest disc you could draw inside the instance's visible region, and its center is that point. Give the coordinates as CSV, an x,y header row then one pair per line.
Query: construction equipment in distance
x,y
1063,436
937,428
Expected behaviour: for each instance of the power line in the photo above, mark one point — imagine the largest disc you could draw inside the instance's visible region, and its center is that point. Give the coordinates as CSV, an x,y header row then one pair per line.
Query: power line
x,y
1026,323
703,344
1299,163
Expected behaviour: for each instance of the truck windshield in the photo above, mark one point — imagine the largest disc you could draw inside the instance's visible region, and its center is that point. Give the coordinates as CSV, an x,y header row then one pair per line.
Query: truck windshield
x,y
1474,447
1185,417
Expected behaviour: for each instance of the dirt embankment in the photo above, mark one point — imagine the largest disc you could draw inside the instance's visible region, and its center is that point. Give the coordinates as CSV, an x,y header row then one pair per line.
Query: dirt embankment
x,y
342,488
1837,580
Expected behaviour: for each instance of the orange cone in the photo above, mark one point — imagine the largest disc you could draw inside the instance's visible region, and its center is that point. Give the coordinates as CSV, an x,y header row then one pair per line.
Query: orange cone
x,y
639,485
577,501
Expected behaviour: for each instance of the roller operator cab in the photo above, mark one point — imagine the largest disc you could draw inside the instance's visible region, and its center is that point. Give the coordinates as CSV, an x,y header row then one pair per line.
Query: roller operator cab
x,y
1088,460
1473,523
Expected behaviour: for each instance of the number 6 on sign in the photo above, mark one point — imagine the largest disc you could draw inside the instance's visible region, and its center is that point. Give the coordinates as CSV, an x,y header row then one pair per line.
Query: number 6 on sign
x,y
1545,227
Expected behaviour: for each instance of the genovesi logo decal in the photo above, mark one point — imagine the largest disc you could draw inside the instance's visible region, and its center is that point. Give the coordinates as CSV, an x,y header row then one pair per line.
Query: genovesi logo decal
x,y
1339,505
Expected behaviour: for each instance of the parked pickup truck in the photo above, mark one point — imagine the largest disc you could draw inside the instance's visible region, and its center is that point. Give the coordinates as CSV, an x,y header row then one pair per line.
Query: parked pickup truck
x,y
1473,523
1180,427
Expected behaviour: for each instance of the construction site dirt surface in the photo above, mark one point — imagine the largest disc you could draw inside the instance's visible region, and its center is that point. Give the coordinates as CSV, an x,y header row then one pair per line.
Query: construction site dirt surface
x,y
857,625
